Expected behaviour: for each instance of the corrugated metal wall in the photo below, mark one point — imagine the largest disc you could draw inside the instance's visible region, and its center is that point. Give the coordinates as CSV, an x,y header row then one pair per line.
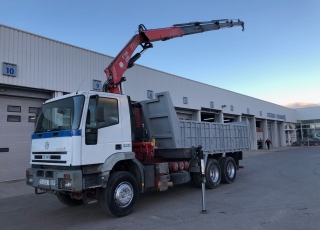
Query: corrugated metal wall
x,y
47,64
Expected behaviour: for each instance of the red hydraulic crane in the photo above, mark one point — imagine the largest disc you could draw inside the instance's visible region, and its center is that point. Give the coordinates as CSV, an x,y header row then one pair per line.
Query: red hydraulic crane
x,y
123,61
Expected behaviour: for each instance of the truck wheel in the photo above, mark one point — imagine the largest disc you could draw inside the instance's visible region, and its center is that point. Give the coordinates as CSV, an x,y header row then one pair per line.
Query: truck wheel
x,y
212,173
68,201
121,194
228,170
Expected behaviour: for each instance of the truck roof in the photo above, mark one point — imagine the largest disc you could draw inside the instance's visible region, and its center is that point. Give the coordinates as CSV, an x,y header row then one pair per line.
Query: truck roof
x,y
86,94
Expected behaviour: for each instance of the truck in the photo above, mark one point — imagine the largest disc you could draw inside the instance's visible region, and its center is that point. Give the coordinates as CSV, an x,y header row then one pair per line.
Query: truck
x,y
99,146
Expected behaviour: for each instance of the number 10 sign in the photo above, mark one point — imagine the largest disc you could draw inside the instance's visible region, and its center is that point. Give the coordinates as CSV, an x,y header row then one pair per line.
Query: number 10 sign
x,y
9,69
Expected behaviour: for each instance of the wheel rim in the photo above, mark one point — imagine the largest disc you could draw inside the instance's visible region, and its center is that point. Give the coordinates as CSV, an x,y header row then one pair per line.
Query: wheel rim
x,y
230,170
214,173
123,194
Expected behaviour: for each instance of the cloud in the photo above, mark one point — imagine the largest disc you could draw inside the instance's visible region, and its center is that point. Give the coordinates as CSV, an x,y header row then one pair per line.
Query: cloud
x,y
295,105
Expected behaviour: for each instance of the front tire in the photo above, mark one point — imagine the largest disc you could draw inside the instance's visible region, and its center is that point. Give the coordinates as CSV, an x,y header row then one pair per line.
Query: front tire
x,y
121,194
68,201
228,170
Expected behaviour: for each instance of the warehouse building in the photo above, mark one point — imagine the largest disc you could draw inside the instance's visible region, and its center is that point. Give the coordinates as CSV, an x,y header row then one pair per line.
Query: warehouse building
x,y
36,68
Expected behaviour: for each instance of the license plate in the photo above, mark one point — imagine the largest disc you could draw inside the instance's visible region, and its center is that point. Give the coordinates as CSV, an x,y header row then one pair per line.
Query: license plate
x,y
46,157
44,182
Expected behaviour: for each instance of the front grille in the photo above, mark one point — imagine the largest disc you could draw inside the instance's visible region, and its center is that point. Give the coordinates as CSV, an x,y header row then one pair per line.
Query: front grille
x,y
46,153
49,157
48,161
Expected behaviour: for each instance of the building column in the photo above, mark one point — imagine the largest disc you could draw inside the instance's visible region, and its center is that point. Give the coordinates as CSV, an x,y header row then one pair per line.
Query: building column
x,y
197,115
238,118
274,130
282,135
264,127
253,133
57,94
218,117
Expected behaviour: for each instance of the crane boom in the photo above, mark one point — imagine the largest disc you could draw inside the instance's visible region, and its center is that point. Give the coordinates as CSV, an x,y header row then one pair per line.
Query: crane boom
x,y
124,59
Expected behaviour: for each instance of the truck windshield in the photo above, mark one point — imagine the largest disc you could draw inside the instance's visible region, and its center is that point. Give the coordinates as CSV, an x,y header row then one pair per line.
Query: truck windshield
x,y
64,114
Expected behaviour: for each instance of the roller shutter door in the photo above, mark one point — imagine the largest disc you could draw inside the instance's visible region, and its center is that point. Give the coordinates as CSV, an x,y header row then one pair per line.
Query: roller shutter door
x,y
16,125
184,116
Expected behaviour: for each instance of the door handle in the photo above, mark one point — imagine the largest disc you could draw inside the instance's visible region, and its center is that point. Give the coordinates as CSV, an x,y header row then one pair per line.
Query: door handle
x,y
118,147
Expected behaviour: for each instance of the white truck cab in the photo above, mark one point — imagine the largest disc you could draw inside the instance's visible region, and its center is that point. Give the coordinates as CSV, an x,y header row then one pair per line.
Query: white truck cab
x,y
75,130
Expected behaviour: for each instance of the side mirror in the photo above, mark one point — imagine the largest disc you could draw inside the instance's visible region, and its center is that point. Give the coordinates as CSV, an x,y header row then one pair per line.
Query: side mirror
x,y
99,114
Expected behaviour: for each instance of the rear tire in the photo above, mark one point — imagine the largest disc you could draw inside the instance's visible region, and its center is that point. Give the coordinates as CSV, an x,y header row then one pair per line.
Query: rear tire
x,y
121,194
228,170
213,174
68,201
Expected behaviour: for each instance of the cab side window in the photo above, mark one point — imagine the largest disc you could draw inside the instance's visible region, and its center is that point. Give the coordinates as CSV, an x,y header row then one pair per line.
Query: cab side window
x,y
111,112
111,117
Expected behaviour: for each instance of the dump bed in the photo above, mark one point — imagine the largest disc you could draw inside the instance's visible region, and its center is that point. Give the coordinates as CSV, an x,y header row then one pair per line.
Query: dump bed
x,y
163,124
214,137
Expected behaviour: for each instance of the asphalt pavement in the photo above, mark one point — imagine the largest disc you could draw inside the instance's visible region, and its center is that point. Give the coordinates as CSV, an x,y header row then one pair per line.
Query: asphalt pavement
x,y
277,189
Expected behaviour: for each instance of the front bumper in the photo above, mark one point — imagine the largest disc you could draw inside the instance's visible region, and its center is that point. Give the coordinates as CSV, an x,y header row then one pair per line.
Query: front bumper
x,y
55,180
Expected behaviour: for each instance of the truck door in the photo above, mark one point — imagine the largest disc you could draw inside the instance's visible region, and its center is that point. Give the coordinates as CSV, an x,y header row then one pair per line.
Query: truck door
x,y
102,138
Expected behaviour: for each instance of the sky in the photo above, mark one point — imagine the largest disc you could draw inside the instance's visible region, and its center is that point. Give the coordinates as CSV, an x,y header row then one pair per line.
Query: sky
x,y
276,58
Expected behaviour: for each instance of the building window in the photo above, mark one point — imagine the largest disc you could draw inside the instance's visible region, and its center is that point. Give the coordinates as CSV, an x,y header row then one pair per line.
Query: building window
x,y
185,100
12,108
248,111
32,118
260,113
231,107
211,104
4,150
13,118
150,94
33,110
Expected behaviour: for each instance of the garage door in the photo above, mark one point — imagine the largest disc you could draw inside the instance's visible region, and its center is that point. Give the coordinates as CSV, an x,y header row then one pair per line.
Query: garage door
x,y
184,116
17,117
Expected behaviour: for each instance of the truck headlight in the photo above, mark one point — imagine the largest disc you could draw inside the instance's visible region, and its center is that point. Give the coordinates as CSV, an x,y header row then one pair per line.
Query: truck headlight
x,y
65,183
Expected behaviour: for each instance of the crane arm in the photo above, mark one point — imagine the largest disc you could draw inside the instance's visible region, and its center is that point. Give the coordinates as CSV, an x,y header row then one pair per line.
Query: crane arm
x,y
124,60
